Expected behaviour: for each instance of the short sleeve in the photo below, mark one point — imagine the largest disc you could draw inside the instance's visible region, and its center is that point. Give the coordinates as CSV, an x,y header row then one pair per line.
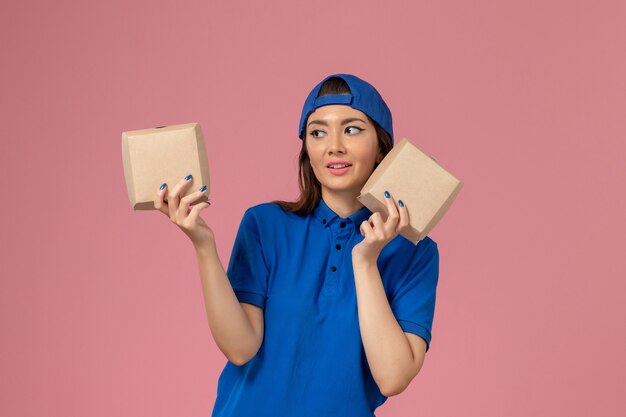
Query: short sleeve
x,y
413,304
247,269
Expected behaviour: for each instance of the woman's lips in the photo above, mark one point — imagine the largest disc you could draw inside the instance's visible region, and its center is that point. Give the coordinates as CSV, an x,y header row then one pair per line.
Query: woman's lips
x,y
339,171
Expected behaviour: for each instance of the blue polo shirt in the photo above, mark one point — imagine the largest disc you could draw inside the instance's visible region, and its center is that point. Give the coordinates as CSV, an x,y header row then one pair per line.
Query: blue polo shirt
x,y
299,270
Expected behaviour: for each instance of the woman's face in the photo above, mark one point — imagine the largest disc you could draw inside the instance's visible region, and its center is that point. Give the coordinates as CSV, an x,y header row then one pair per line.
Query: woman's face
x,y
341,133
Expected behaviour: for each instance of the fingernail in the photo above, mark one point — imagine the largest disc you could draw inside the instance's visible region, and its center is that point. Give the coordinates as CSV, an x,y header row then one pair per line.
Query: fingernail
x,y
188,177
203,188
163,185
400,203
387,194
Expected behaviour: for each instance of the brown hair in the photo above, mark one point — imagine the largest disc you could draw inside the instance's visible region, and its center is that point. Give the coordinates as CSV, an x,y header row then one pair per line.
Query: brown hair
x,y
310,187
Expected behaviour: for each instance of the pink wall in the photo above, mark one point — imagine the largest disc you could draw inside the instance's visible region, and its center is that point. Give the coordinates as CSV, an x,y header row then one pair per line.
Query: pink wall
x,y
101,309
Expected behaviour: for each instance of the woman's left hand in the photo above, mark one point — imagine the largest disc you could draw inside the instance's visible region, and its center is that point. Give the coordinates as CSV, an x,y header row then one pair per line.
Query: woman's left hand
x,y
378,233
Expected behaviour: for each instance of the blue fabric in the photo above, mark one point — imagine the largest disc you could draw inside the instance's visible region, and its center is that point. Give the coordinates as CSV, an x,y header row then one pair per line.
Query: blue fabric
x,y
299,270
364,97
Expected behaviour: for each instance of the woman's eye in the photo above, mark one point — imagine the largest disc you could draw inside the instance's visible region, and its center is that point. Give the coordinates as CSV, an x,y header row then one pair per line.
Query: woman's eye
x,y
313,132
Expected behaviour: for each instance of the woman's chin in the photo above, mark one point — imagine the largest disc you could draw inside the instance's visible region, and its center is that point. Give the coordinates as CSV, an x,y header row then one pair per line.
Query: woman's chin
x,y
352,187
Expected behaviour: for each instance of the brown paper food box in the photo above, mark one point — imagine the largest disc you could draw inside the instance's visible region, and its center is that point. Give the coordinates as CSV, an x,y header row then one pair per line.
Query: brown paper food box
x,y
414,177
163,154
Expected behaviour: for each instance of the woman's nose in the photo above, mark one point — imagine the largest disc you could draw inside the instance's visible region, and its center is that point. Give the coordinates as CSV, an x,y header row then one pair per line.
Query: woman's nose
x,y
336,141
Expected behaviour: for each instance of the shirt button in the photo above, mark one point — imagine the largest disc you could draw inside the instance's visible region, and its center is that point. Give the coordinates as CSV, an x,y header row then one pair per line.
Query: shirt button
x,y
332,268
338,246
324,221
342,224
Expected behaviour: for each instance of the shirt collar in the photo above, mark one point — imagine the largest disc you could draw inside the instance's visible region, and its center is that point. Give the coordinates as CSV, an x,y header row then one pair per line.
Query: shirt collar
x,y
326,215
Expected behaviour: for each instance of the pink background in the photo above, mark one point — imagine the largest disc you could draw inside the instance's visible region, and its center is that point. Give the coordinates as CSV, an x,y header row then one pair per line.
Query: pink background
x,y
101,308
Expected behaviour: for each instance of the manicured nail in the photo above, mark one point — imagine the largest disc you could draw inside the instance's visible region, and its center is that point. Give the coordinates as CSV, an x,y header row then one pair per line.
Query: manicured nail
x,y
163,185
188,177
400,203
203,188
387,194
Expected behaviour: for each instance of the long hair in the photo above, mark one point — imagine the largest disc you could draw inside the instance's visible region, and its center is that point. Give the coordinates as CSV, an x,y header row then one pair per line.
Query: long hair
x,y
310,187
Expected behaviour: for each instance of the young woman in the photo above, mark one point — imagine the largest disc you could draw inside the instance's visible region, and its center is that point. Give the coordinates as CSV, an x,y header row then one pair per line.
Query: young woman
x,y
324,309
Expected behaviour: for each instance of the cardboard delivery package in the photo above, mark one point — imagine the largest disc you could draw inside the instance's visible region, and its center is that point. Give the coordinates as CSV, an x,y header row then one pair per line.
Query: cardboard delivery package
x,y
163,154
424,186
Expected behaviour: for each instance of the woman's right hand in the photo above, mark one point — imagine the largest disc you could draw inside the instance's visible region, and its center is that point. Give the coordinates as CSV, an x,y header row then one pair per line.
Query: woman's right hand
x,y
179,211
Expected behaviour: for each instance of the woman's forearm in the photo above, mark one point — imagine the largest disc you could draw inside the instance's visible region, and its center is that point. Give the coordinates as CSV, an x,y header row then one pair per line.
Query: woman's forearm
x,y
229,324
387,348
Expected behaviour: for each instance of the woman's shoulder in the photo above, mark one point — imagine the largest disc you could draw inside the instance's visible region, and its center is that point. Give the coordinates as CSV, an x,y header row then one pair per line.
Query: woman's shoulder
x,y
426,250
270,211
425,244
266,208
426,247
404,248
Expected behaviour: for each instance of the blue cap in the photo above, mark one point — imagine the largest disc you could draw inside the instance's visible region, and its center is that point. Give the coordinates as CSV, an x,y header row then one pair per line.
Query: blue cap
x,y
364,97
